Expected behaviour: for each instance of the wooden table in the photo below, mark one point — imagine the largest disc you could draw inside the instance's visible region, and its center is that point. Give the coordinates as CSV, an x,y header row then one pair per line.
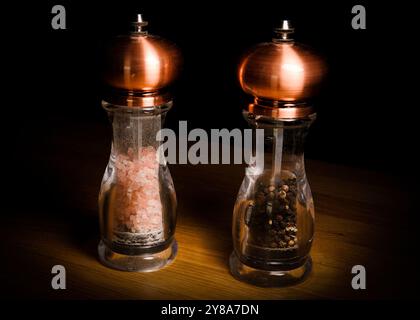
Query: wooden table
x,y
362,217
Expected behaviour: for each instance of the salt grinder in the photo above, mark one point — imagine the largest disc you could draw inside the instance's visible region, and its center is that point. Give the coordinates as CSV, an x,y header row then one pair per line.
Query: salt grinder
x,y
137,201
273,218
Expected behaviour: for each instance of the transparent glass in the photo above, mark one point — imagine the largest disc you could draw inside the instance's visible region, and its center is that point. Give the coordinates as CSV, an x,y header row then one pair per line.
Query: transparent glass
x,y
273,218
137,201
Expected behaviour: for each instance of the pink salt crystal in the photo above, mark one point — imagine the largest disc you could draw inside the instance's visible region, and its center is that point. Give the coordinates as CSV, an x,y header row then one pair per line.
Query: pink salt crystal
x,y
139,209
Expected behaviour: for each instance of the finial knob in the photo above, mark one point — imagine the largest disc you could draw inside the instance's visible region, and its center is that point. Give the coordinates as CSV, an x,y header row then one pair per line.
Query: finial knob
x,y
283,33
139,25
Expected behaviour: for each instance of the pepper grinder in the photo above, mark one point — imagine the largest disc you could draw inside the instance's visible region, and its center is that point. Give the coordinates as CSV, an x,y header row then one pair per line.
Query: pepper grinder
x,y
137,201
273,218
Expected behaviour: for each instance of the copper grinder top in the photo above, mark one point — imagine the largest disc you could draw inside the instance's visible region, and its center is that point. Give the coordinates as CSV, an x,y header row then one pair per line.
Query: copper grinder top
x,y
140,67
281,75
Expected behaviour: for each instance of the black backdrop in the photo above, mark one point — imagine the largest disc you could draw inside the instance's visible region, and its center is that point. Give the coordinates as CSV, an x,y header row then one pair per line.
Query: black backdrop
x,y
51,78
364,112
51,82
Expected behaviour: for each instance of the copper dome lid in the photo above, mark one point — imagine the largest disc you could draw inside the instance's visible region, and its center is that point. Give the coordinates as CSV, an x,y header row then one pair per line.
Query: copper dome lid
x,y
281,73
142,65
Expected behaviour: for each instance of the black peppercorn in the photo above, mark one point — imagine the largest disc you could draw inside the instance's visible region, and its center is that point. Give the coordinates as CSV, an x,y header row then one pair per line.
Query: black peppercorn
x,y
273,216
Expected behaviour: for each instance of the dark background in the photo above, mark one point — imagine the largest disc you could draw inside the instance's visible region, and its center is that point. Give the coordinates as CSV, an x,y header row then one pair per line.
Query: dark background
x,y
365,112
51,92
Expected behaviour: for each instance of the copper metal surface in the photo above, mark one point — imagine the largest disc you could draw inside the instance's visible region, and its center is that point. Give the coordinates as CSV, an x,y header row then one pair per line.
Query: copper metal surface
x,y
286,113
282,72
129,99
141,63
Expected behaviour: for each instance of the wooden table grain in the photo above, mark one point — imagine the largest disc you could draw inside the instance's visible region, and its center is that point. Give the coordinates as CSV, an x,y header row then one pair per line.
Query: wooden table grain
x,y
362,217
